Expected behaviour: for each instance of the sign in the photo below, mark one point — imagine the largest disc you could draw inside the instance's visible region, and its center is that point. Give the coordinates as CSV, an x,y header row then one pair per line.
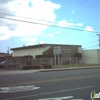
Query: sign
x,y
17,89
57,50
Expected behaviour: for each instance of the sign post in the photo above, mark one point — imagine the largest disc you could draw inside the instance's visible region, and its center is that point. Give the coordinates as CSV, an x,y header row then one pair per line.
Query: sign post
x,y
57,51
55,59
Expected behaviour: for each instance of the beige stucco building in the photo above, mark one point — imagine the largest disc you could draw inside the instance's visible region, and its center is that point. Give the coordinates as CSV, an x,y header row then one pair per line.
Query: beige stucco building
x,y
88,56
66,50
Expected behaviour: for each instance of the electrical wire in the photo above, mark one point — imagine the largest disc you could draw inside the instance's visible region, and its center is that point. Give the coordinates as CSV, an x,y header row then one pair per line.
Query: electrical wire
x,y
56,21
91,46
46,24
76,2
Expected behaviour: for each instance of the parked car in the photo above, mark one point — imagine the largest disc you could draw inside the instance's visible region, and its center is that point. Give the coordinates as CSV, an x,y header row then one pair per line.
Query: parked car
x,y
1,60
5,64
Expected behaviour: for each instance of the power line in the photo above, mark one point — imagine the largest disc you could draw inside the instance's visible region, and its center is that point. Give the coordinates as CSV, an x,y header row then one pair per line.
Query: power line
x,y
90,47
56,21
89,43
86,46
46,24
81,4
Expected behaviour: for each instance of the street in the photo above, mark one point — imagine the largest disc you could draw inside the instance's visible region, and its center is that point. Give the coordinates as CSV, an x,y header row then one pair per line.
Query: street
x,y
53,85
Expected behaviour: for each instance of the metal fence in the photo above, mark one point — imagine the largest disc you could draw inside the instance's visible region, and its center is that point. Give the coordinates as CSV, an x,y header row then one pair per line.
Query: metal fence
x,y
65,61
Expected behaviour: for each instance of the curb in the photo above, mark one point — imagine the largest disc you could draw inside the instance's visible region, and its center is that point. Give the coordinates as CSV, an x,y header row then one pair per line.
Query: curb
x,y
48,70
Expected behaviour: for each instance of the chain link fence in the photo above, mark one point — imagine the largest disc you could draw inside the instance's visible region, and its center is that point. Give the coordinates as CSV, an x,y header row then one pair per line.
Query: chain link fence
x,y
63,61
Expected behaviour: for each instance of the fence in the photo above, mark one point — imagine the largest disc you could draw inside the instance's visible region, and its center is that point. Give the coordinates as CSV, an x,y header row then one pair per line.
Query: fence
x,y
67,61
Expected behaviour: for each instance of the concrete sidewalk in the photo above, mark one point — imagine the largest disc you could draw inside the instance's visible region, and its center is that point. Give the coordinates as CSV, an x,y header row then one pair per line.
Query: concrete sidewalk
x,y
5,72
70,68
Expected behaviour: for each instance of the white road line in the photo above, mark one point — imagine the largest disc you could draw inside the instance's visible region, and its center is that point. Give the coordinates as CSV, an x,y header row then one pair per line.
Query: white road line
x,y
77,99
57,98
49,93
17,89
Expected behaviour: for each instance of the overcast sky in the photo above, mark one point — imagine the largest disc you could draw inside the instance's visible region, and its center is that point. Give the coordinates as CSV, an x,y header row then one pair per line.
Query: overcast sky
x,y
30,22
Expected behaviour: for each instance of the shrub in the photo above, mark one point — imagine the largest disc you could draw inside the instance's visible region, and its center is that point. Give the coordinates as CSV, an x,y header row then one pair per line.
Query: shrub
x,y
25,67
46,66
36,67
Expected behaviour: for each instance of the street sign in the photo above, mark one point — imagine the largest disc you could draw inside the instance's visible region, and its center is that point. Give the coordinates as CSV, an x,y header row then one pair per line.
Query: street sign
x,y
57,50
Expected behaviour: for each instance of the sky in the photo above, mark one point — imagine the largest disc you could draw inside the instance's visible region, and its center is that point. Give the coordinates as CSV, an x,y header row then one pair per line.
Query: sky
x,y
32,22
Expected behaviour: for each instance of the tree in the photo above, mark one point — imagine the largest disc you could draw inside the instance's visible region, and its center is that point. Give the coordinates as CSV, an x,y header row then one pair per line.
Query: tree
x,y
48,52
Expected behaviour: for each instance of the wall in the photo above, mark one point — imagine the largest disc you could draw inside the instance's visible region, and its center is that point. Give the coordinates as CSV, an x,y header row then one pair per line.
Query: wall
x,y
98,53
90,56
69,51
31,51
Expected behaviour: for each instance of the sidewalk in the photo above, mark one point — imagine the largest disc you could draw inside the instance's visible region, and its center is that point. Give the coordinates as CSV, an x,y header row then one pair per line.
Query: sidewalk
x,y
5,72
70,68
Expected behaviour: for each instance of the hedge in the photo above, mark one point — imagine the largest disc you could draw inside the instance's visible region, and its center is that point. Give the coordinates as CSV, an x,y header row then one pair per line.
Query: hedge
x,y
46,65
26,67
36,66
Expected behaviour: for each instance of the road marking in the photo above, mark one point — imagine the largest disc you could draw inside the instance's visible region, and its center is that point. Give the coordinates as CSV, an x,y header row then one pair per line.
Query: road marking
x,y
7,78
49,93
20,77
44,75
52,80
57,98
61,98
17,89
77,99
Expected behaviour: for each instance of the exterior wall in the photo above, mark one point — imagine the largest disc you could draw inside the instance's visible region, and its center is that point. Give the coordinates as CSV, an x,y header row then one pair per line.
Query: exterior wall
x,y
98,53
90,56
80,50
69,51
31,51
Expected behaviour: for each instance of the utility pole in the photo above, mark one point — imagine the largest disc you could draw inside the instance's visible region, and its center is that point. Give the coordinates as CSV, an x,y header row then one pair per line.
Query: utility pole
x,y
99,40
8,50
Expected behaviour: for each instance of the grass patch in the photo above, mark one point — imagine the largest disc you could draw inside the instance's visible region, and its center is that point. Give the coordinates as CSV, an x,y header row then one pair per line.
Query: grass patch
x,y
76,65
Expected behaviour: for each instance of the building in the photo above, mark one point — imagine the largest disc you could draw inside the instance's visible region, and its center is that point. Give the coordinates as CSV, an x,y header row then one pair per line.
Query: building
x,y
66,50
91,56
3,56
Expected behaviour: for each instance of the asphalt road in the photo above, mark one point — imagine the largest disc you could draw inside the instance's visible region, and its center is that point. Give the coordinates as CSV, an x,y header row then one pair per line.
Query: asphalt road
x,y
56,85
